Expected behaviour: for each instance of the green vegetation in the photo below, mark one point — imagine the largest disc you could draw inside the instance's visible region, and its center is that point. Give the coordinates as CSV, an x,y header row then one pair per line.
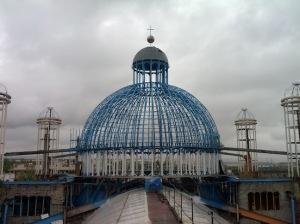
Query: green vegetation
x,y
27,175
7,166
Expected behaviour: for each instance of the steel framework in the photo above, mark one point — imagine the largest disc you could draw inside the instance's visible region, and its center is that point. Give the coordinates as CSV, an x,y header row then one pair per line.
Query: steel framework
x,y
150,127
48,139
291,108
246,138
5,99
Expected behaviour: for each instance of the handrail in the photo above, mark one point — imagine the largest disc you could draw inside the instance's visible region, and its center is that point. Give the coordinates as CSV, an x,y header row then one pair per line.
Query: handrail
x,y
188,209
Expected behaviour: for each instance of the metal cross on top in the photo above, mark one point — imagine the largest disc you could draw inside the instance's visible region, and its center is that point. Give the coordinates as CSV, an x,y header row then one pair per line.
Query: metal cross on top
x,y
150,29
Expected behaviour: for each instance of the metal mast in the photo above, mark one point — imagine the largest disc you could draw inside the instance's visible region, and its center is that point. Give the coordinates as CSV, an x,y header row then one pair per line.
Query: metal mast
x,y
291,108
246,139
48,139
5,99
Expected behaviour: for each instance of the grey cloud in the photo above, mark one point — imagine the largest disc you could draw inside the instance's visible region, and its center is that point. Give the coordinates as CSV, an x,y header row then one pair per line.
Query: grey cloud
x,y
73,54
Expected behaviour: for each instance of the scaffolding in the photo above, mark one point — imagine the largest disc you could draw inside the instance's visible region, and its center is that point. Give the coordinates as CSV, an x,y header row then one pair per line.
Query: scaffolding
x,y
246,139
5,99
48,139
291,108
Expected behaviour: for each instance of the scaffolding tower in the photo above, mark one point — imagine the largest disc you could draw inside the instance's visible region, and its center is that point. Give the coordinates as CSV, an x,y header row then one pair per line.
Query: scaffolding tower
x,y
48,139
246,139
5,99
291,108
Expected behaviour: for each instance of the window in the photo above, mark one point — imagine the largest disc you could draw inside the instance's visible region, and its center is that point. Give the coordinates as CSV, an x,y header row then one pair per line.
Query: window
x,y
263,197
17,203
39,205
264,201
47,205
257,200
24,206
31,206
276,201
250,201
270,201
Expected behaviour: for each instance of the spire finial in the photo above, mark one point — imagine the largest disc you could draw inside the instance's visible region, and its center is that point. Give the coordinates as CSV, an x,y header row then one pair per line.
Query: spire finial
x,y
150,38
150,29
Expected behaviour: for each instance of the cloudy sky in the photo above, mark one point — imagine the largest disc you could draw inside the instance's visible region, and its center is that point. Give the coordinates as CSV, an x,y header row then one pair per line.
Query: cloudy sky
x,y
72,54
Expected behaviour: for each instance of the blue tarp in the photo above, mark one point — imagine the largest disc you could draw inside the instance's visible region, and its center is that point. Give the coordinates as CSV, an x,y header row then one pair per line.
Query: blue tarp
x,y
153,184
88,195
50,219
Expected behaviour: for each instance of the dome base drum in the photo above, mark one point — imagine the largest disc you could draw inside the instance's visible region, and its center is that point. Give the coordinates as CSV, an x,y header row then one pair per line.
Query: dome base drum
x,y
150,163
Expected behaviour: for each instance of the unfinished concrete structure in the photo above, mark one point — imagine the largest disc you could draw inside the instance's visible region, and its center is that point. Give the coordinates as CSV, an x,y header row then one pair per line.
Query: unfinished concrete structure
x,y
48,139
5,99
291,108
27,201
246,138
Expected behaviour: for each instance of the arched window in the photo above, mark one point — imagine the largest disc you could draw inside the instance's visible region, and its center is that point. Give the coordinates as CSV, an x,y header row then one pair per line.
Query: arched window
x,y
250,201
276,201
257,200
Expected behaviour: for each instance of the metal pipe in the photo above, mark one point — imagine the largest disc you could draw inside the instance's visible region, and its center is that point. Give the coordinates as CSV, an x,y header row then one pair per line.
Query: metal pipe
x,y
254,150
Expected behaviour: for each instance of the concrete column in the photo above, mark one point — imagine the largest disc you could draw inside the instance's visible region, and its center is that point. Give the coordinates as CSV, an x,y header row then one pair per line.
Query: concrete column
x,y
204,162
123,163
142,165
98,163
117,163
105,162
152,162
161,164
180,161
113,162
132,162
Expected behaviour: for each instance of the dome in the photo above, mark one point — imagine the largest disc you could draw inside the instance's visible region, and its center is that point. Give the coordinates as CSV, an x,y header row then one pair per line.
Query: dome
x,y
49,115
245,117
4,96
150,53
293,90
148,116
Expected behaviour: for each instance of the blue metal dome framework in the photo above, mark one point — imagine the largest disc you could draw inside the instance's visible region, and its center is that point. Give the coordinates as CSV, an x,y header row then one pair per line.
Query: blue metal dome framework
x,y
147,116
150,127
